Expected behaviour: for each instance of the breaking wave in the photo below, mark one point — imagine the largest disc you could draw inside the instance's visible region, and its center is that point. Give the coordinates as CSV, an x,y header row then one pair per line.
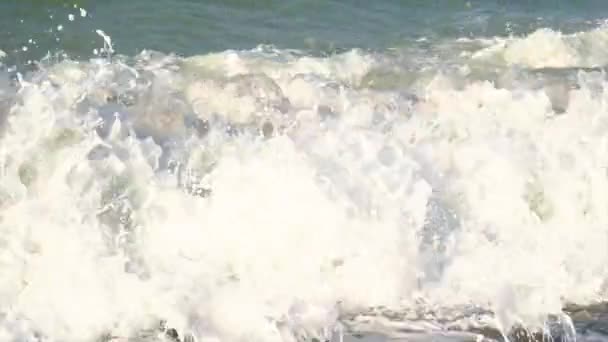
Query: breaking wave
x,y
267,195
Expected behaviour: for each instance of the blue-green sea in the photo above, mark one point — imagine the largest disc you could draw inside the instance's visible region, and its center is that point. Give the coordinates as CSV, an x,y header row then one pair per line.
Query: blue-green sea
x,y
188,27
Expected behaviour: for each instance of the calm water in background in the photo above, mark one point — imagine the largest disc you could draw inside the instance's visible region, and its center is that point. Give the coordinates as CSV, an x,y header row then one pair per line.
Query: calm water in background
x,y
193,27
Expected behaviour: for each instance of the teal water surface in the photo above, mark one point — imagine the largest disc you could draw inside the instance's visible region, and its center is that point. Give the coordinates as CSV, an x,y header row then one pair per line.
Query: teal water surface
x,y
189,27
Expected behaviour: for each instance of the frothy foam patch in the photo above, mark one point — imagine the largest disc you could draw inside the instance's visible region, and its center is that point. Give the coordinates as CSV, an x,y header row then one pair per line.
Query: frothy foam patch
x,y
546,48
264,196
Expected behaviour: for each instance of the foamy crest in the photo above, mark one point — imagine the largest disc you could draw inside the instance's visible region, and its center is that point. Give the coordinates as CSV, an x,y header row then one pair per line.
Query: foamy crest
x,y
546,48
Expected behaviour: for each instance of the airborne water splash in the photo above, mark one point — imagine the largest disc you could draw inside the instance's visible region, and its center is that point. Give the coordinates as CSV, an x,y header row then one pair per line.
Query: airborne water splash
x,y
267,195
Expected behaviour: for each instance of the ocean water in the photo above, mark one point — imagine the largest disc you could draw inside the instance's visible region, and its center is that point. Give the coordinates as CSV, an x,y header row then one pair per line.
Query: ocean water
x,y
290,171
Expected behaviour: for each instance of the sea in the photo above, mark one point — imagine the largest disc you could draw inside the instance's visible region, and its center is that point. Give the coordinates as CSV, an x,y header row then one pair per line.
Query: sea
x,y
303,171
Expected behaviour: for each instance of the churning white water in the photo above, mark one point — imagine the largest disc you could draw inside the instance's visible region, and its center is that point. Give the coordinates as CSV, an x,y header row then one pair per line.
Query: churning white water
x,y
266,195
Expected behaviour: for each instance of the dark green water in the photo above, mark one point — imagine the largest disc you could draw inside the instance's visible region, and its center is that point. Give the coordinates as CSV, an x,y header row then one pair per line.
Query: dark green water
x,y
189,27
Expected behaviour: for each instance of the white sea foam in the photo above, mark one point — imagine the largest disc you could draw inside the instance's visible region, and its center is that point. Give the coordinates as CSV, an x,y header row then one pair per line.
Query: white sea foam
x,y
546,48
262,195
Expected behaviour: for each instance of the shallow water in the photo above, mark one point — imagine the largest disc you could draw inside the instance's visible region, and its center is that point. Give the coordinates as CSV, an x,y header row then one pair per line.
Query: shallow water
x,y
265,171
